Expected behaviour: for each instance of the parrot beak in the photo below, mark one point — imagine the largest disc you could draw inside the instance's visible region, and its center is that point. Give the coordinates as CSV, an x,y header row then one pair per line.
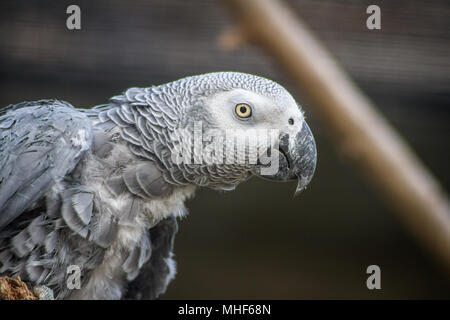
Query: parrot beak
x,y
297,157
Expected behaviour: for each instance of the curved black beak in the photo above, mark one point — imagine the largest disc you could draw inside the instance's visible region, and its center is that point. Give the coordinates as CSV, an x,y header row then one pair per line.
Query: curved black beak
x,y
297,158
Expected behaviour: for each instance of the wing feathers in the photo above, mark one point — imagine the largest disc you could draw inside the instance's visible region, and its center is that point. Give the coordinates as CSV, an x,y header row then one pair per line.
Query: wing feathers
x,y
146,181
82,203
71,216
40,143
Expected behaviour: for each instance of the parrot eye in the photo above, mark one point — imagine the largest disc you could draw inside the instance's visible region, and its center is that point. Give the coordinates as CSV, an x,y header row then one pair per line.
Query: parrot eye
x,y
243,110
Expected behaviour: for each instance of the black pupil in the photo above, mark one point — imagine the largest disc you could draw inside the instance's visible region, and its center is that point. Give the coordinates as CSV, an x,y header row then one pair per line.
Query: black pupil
x,y
243,109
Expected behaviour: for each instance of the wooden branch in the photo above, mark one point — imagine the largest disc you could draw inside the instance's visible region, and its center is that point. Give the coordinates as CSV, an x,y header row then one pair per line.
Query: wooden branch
x,y
15,289
232,38
352,120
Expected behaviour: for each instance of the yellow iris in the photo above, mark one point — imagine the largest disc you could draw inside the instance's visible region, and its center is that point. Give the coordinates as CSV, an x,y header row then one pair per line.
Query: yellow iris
x,y
243,110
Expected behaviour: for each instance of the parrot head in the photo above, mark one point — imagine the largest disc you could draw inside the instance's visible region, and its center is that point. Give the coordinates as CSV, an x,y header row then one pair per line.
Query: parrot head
x,y
239,125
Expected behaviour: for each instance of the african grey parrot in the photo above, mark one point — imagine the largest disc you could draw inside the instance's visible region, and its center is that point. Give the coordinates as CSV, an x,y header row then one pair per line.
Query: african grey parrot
x,y
101,188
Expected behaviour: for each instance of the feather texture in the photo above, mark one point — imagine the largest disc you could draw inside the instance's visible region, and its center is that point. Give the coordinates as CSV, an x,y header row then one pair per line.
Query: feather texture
x,y
97,188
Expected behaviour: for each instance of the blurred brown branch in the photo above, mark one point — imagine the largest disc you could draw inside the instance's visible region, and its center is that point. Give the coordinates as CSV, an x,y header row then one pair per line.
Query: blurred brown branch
x,y
351,118
15,289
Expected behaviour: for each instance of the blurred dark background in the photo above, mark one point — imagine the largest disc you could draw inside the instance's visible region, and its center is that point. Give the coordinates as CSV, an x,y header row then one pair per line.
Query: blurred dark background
x,y
259,242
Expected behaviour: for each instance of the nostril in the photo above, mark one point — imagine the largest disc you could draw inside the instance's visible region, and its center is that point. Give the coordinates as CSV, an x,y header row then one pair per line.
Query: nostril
x,y
291,121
